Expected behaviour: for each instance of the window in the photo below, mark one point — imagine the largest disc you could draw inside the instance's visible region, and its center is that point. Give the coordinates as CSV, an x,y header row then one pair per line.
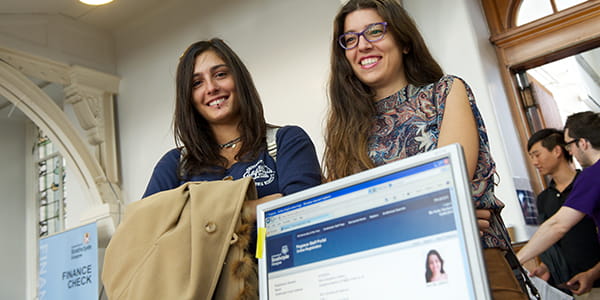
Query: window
x,y
563,4
51,193
531,10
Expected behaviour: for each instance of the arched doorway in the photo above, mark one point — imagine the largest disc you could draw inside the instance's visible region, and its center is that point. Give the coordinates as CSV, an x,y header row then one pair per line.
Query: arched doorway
x,y
90,95
42,110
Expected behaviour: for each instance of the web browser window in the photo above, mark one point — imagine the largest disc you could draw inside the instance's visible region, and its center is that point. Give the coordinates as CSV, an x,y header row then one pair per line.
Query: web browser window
x,y
371,241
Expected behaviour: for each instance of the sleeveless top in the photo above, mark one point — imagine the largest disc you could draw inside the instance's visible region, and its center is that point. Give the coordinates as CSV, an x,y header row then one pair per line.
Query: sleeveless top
x,y
408,123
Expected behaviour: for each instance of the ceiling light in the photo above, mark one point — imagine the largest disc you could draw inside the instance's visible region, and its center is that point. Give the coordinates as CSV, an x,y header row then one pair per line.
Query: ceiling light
x,y
96,2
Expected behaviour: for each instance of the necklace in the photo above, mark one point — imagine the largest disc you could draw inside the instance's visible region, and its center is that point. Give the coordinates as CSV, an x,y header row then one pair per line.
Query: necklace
x,y
230,144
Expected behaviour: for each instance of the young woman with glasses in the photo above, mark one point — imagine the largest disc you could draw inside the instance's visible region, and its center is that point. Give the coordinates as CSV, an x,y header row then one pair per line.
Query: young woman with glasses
x,y
389,99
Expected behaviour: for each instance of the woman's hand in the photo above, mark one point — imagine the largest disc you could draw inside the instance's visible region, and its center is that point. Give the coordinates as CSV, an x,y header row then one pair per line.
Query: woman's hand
x,y
250,205
483,219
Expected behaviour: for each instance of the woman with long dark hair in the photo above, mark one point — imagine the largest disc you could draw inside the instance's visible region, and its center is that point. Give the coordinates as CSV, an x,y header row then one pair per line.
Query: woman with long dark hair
x,y
389,99
221,132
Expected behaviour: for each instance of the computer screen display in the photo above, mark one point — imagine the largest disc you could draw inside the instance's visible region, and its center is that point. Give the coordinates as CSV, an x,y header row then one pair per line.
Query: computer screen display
x,y
391,235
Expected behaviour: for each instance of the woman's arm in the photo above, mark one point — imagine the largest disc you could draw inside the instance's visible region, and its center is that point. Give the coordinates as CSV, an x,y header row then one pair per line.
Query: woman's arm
x,y
251,204
164,177
459,126
297,163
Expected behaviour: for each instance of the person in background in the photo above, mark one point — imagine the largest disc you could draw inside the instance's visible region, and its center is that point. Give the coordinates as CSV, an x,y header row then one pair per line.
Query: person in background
x,y
434,265
389,99
579,249
582,140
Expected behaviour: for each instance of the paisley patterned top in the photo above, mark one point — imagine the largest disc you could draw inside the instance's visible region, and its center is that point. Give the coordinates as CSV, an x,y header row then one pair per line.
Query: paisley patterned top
x,y
408,123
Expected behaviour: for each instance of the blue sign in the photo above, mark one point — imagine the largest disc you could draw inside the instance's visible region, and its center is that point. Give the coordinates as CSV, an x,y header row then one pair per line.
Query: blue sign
x,y
69,265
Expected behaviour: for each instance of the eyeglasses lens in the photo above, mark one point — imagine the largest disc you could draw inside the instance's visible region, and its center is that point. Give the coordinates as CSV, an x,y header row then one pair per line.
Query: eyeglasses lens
x,y
372,33
349,40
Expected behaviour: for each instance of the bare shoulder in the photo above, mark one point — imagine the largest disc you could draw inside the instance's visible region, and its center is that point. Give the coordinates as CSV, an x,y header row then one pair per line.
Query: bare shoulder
x,y
458,90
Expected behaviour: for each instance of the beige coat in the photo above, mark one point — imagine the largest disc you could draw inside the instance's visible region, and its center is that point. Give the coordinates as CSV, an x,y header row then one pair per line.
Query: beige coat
x,y
186,243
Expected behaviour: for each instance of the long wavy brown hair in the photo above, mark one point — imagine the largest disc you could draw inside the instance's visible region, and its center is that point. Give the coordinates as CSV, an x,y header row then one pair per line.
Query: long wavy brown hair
x,y
352,103
193,131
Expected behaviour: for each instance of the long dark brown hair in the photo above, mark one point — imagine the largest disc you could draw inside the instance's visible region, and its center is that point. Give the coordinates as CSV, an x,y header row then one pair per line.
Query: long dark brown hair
x,y
352,106
193,131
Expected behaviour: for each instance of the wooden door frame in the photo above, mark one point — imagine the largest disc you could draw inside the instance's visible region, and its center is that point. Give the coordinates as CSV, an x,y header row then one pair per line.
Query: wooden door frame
x,y
562,34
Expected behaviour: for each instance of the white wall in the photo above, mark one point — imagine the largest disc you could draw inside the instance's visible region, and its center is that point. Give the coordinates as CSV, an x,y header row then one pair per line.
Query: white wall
x,y
285,45
592,58
12,214
287,55
289,59
58,38
456,33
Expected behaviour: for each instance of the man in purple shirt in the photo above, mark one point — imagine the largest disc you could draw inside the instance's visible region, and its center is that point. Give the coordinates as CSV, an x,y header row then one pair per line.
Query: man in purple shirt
x,y
582,140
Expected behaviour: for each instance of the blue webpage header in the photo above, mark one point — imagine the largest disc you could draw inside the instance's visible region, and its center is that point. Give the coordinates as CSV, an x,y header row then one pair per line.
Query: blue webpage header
x,y
358,187
386,225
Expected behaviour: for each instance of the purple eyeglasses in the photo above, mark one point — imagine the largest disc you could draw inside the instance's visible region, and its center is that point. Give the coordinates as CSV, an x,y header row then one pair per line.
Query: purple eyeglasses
x,y
374,32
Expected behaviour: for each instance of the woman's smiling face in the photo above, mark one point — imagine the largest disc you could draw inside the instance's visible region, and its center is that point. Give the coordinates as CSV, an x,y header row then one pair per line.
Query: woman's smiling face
x,y
377,64
213,90
435,265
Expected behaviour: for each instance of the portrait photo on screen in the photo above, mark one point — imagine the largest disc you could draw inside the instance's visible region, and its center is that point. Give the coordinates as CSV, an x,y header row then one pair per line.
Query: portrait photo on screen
x,y
434,267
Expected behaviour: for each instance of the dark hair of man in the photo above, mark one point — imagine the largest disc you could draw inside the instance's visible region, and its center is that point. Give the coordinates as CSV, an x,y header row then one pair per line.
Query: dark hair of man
x,y
202,152
550,138
428,273
585,125
352,105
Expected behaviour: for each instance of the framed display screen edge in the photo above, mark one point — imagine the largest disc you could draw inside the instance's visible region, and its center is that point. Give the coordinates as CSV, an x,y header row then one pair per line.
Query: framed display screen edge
x,y
465,209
